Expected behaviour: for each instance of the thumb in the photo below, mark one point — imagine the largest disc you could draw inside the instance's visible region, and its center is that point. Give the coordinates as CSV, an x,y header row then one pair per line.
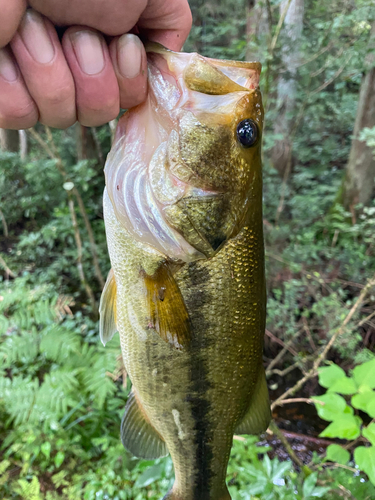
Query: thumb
x,y
11,14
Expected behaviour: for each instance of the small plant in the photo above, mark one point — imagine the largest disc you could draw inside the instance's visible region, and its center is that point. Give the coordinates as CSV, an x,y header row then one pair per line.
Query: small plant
x,y
345,423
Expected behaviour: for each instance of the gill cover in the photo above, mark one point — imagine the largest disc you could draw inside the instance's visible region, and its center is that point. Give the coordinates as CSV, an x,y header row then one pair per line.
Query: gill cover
x,y
177,176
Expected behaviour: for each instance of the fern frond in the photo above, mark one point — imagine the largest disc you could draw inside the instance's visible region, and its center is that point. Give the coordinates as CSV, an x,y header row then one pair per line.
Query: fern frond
x,y
97,382
21,348
56,394
58,343
19,395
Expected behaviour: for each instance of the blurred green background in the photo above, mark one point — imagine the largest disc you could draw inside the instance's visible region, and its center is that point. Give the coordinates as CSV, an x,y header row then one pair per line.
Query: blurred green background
x,y
62,394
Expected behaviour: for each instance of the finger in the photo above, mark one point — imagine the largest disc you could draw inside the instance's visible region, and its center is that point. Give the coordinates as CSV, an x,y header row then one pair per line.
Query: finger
x,y
168,23
11,12
41,60
112,17
130,64
97,91
17,109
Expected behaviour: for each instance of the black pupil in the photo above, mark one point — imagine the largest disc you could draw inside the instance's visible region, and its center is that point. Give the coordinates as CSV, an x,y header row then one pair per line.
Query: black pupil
x,y
247,132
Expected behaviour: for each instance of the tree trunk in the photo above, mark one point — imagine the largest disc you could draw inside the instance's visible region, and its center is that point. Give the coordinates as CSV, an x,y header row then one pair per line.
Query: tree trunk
x,y
9,140
86,148
23,144
287,85
359,180
251,26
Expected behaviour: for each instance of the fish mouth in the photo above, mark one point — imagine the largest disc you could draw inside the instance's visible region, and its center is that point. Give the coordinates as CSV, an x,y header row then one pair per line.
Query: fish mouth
x,y
207,75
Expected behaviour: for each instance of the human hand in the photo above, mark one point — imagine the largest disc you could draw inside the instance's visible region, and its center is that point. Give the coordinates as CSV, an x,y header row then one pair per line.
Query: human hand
x,y
84,77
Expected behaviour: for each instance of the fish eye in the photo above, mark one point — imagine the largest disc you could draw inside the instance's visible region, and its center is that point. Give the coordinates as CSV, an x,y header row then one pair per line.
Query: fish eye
x,y
247,133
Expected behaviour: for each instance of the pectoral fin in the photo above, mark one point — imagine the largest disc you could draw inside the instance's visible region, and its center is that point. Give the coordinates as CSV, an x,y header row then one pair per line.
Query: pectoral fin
x,y
258,415
107,309
167,312
137,433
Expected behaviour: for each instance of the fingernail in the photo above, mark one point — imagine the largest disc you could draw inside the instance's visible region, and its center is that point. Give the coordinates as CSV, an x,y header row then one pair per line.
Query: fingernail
x,y
8,69
89,51
129,55
36,38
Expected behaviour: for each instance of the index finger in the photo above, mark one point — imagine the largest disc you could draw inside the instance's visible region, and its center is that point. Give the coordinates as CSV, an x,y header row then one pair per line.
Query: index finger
x,y
11,14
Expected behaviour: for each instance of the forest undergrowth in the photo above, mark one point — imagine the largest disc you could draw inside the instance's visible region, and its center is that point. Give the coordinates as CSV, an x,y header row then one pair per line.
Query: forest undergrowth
x,y
62,394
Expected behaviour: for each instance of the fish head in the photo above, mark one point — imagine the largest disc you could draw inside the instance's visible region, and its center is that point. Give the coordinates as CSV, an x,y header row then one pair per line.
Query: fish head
x,y
185,169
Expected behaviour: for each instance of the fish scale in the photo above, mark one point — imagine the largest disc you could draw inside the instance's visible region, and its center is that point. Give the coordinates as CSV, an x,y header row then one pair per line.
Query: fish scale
x,y
192,331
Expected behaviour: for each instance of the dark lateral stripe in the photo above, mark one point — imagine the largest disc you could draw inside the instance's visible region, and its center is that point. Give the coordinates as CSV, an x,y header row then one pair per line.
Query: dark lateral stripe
x,y
204,454
200,406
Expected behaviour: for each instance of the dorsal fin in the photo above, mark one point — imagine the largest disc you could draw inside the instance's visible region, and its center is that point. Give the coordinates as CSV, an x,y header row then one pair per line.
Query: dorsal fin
x,y
107,309
138,434
258,415
167,312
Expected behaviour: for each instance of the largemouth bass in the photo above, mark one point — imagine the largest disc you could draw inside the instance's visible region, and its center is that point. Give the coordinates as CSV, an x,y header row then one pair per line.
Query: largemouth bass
x,y
183,217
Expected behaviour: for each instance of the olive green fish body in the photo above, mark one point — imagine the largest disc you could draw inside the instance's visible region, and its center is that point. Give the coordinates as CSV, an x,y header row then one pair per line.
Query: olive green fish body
x,y
191,312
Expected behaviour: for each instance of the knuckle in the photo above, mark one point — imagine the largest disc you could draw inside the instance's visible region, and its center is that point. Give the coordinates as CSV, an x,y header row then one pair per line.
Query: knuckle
x,y
19,117
60,96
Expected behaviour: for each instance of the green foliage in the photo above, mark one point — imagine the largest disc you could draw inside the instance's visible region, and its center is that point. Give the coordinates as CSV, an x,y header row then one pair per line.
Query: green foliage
x,y
344,423
338,454
368,135
61,397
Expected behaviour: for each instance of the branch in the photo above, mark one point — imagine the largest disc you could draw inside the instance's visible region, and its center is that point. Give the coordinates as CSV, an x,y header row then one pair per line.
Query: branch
x,y
280,342
6,268
279,26
81,273
90,233
269,17
51,149
98,146
273,427
336,75
281,354
301,400
5,225
314,370
309,336
282,373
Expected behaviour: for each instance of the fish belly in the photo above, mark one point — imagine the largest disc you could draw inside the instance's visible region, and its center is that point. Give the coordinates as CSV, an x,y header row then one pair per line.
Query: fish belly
x,y
196,396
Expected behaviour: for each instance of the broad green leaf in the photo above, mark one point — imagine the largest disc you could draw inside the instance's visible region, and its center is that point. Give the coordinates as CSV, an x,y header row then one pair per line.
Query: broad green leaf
x,y
334,406
364,401
279,469
344,385
369,433
364,374
364,388
4,465
59,458
309,484
365,459
149,476
348,410
336,453
46,449
343,427
328,375
371,408
267,464
319,491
